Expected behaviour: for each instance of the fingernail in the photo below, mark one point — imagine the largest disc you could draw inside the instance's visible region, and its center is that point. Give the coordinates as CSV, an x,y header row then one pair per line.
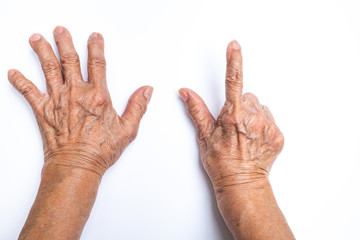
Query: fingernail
x,y
235,45
35,37
11,73
148,93
94,35
184,96
59,29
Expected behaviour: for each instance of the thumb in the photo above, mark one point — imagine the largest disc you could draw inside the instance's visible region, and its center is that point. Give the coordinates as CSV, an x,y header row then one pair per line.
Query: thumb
x,y
135,109
198,112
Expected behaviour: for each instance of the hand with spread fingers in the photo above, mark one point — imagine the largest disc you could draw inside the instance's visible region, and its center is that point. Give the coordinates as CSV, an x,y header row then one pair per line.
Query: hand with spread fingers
x,y
82,133
76,118
237,151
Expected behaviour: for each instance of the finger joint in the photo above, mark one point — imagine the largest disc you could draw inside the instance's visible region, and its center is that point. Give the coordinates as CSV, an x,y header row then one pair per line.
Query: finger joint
x,y
70,59
50,66
97,62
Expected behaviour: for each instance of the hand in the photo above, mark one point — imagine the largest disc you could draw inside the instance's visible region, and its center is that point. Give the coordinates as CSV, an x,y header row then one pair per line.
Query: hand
x,y
237,151
242,144
78,124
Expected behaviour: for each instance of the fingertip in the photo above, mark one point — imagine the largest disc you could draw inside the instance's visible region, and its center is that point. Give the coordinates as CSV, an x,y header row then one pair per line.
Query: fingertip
x,y
61,31
148,93
188,91
184,89
34,37
183,94
95,35
191,95
11,73
235,45
58,29
232,46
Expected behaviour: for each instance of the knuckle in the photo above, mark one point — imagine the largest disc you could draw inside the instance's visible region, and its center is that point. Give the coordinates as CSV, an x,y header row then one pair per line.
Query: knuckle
x,y
265,108
133,134
260,120
97,62
267,112
50,66
236,118
204,130
100,98
25,88
256,121
70,58
232,115
194,109
137,106
272,131
232,80
234,72
130,129
280,140
229,121
249,97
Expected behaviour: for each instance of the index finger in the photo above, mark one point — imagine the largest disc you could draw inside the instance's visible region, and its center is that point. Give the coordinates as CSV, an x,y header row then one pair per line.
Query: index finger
x,y
234,73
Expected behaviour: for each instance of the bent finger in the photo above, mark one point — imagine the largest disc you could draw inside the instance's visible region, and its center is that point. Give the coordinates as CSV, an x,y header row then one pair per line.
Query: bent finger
x,y
267,113
252,101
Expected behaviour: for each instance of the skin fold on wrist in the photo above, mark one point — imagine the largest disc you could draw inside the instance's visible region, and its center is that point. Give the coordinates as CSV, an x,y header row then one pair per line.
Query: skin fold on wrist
x,y
70,159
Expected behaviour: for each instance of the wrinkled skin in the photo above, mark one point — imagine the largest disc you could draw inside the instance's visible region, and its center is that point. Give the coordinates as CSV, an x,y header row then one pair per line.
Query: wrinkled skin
x,y
83,136
76,118
237,151
81,132
242,144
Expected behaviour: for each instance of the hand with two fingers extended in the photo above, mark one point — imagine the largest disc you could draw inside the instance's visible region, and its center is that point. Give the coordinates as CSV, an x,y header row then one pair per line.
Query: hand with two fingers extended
x,y
241,145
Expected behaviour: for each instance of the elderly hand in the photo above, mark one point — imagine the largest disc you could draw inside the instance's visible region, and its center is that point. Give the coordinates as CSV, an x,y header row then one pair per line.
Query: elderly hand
x,y
242,144
82,134
237,151
78,124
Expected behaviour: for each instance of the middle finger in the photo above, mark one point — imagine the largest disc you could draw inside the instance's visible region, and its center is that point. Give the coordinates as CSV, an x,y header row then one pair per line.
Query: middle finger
x,y
68,57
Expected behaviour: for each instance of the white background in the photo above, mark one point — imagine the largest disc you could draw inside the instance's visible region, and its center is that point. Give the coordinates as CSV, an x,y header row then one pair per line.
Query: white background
x,y
301,58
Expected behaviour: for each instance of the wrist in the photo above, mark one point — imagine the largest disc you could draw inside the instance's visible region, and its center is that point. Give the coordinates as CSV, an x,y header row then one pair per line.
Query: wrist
x,y
241,190
75,161
65,197
235,200
225,183
251,212
56,175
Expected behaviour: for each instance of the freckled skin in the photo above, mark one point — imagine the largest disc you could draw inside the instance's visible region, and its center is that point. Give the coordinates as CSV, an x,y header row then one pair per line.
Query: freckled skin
x,y
82,134
237,151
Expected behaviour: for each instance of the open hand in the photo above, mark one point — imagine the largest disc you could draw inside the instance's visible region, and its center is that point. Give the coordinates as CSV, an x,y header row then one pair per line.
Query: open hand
x,y
78,124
